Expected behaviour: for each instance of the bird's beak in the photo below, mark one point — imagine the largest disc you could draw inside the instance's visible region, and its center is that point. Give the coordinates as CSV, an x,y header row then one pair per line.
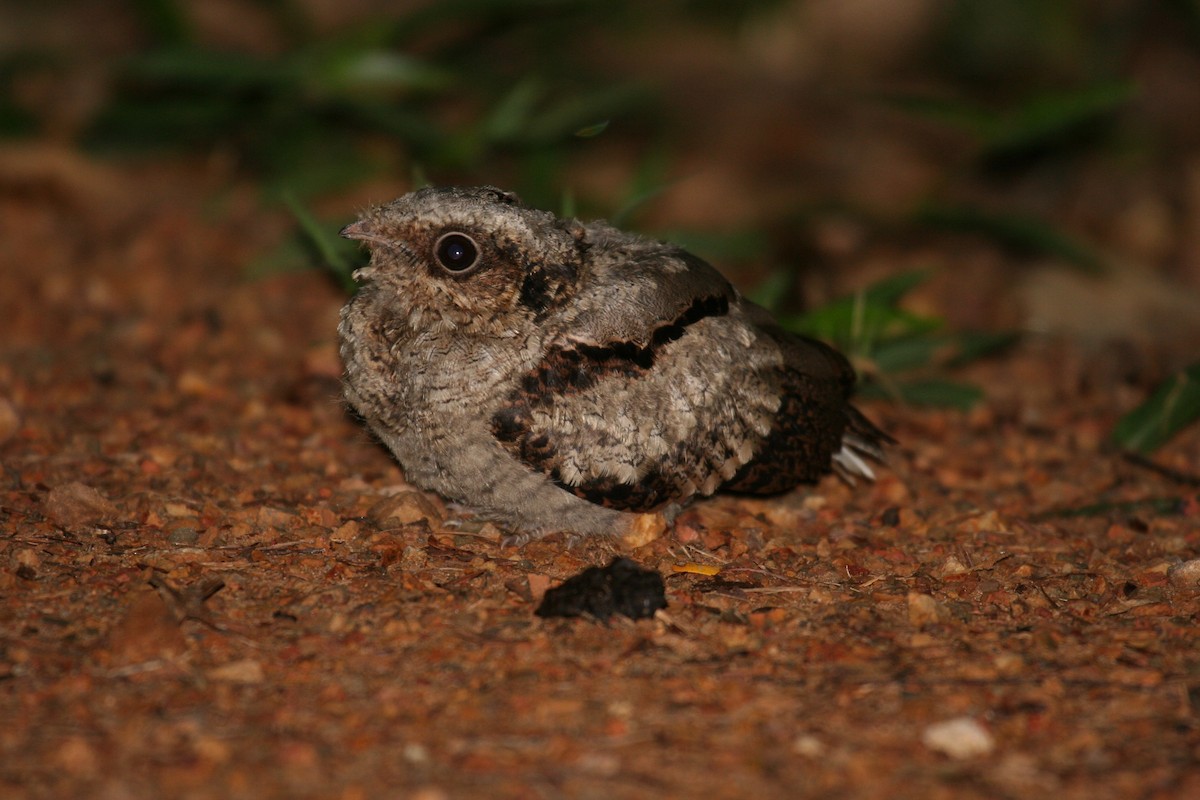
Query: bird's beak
x,y
360,230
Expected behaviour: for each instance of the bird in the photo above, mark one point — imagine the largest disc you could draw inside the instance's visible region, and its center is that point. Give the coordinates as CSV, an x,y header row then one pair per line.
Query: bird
x,y
554,375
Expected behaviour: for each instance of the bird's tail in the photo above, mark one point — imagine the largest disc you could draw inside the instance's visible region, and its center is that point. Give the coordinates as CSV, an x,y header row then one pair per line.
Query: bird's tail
x,y
862,440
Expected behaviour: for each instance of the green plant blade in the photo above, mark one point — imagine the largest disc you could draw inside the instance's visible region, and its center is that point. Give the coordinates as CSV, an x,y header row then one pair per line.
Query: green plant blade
x,y
891,290
1045,119
164,20
1039,122
948,111
974,345
932,392
1016,231
1172,407
326,243
720,247
907,352
861,323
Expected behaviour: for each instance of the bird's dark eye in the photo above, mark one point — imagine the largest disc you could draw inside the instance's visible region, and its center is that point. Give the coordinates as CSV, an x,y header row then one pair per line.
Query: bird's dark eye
x,y
456,252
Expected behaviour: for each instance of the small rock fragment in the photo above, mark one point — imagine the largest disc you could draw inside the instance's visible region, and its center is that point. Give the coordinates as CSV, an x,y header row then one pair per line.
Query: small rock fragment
x,y
183,532
148,632
75,505
644,529
245,671
622,587
988,521
345,532
961,737
276,518
808,746
1185,576
952,566
25,563
404,508
925,610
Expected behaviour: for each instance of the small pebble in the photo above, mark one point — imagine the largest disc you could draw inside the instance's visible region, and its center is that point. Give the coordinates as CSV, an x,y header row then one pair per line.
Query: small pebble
x,y
959,738
74,505
245,671
404,508
1185,576
925,610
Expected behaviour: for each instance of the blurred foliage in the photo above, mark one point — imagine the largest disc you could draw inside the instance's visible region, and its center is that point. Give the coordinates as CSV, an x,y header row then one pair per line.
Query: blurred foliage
x,y
1038,125
319,244
164,21
16,121
513,90
1188,12
457,87
1171,408
1023,234
1034,84
437,86
1039,128
981,41
899,354
1157,505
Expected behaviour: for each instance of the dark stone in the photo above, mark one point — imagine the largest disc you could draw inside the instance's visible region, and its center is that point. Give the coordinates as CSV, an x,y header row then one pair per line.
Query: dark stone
x,y
622,587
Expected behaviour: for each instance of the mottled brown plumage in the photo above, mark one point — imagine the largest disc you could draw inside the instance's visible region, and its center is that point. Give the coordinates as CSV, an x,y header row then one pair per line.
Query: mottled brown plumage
x,y
555,375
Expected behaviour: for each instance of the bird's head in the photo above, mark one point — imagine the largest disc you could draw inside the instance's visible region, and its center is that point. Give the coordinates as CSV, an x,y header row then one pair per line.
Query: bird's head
x,y
467,258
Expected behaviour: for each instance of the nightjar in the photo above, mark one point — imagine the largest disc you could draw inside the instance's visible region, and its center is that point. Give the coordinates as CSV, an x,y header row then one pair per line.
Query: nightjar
x,y
555,375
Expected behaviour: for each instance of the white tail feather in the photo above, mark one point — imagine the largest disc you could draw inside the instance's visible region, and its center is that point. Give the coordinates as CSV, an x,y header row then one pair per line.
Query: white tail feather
x,y
848,464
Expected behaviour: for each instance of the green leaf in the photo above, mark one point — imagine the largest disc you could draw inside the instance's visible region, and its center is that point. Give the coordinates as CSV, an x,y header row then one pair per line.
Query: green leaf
x,y
329,245
933,392
567,208
891,290
771,291
1039,122
164,20
1174,406
648,181
187,67
1016,231
510,116
860,323
561,120
374,71
906,353
1161,505
949,111
974,345
722,246
593,130
15,121
1044,120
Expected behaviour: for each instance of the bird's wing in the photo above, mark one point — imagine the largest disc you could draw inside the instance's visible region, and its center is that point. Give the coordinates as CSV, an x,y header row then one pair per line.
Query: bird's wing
x,y
666,384
610,413
816,427
637,290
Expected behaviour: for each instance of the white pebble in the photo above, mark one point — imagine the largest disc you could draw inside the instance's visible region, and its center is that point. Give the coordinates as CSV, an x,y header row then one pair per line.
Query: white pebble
x,y
961,737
